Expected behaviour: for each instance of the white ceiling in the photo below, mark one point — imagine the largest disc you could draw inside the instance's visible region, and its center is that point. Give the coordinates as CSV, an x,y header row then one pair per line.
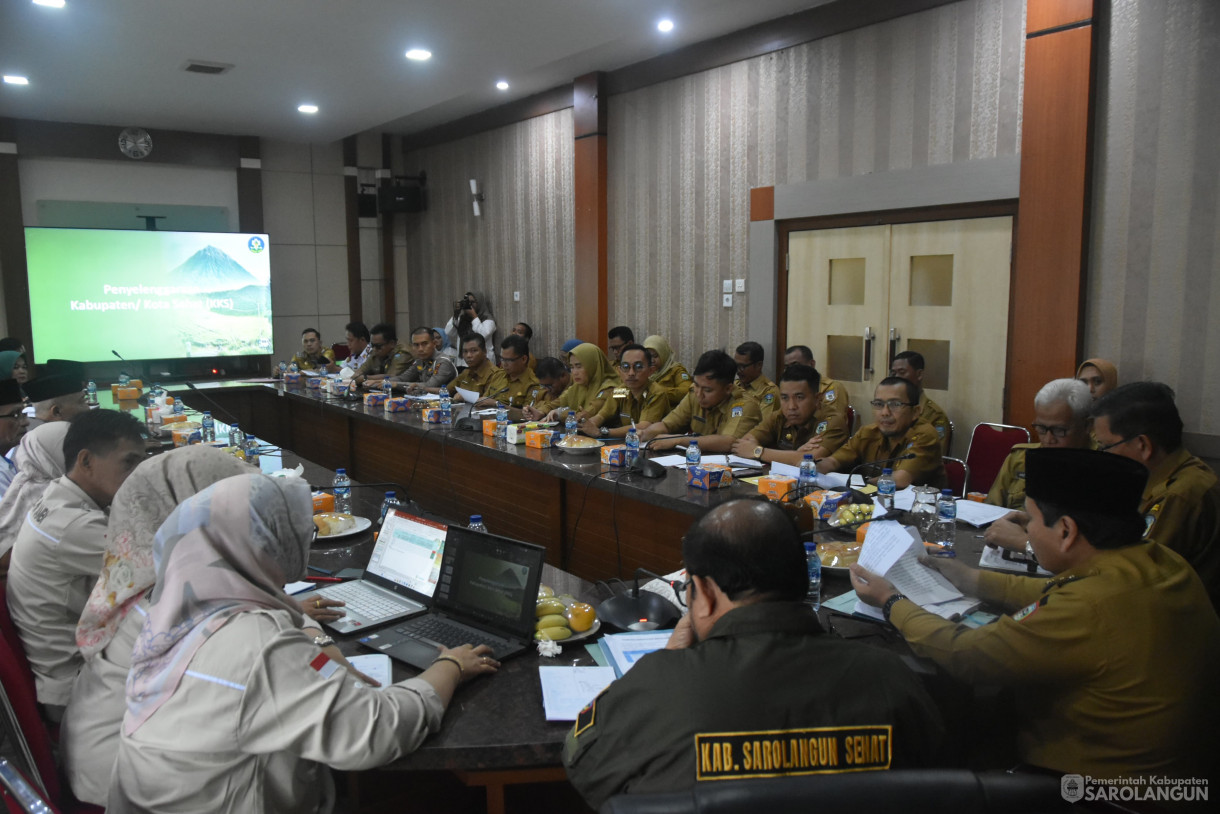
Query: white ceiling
x,y
119,62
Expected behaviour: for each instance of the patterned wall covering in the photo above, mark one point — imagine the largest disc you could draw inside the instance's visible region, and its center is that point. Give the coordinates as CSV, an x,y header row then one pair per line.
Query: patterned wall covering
x,y
931,88
1154,276
523,242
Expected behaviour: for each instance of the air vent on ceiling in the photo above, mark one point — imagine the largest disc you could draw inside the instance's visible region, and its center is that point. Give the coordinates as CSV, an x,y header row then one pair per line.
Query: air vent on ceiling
x,y
210,68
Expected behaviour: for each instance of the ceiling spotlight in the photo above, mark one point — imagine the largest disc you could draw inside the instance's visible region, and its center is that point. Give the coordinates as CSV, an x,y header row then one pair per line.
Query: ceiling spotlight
x,y
15,80
501,85
419,54
665,26
307,108
50,3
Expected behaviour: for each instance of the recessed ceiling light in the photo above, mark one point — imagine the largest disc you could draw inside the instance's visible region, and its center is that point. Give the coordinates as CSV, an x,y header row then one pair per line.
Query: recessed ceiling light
x,y
51,3
419,54
307,108
15,80
665,26
501,85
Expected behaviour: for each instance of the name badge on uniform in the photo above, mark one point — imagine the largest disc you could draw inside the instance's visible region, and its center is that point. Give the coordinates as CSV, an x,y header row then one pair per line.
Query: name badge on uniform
x,y
821,428
738,411
767,399
940,431
830,396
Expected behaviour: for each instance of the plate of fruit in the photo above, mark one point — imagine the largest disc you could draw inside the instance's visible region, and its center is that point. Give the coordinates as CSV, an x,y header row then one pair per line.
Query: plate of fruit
x,y
563,618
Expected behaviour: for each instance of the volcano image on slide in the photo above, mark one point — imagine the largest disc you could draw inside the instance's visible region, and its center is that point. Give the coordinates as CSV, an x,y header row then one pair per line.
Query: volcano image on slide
x,y
211,269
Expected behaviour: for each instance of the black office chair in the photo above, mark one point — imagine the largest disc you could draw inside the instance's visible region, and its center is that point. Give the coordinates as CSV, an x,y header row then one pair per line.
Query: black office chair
x,y
931,791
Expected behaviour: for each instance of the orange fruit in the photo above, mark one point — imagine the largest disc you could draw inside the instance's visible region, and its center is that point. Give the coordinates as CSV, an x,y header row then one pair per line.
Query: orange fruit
x,y
581,616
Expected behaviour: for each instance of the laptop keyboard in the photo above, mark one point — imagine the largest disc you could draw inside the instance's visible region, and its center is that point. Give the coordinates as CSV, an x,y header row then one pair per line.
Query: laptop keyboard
x,y
359,599
449,634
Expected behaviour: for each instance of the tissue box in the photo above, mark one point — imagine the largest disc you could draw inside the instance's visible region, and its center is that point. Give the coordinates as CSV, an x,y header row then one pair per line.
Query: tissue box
x,y
397,405
709,476
825,503
776,487
375,399
538,439
615,455
323,502
432,415
312,383
189,433
340,386
292,379
128,393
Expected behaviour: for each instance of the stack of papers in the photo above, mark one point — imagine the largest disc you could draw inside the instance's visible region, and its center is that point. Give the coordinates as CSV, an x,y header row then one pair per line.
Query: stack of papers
x,y
735,461
979,514
374,665
567,690
623,650
893,550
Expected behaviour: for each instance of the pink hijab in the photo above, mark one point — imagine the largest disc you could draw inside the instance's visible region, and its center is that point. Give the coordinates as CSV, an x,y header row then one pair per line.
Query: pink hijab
x,y
225,551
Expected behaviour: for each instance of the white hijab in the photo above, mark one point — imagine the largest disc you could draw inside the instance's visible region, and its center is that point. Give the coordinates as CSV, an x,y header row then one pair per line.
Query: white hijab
x,y
39,459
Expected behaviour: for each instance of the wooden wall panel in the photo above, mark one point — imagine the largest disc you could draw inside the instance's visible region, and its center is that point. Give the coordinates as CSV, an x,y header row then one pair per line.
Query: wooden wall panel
x,y
1043,14
591,222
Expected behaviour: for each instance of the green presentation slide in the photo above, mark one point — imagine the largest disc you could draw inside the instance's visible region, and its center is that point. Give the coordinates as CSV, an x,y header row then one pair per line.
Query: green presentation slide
x,y
148,295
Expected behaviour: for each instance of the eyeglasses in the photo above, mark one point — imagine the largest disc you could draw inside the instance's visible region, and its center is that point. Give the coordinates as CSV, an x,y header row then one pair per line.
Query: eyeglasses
x,y
17,416
741,367
314,538
1108,447
378,345
1058,432
893,404
509,359
633,366
680,590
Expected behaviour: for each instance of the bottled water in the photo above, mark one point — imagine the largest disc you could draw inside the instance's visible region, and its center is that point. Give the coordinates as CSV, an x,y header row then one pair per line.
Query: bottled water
x,y
569,425
924,510
693,455
343,492
387,387
124,379
501,420
179,407
391,502
92,388
476,523
813,566
292,368
251,449
633,447
283,366
208,431
886,489
446,406
236,437
946,519
808,479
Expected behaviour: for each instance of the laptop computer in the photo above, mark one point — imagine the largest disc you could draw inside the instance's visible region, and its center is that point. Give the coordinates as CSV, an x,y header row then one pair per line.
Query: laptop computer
x,y
486,595
400,578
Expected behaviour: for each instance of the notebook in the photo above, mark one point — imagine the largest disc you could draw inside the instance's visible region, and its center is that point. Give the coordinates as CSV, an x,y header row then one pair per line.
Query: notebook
x,y
400,577
486,595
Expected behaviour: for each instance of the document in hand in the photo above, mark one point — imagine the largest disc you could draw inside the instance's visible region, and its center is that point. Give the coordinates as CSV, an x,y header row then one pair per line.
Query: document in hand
x,y
893,550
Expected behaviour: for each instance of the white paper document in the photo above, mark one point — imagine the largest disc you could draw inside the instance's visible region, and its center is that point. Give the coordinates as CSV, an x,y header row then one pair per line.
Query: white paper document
x,y
884,543
293,588
979,514
374,665
425,397
789,470
623,650
734,461
468,396
567,690
904,499
832,480
921,584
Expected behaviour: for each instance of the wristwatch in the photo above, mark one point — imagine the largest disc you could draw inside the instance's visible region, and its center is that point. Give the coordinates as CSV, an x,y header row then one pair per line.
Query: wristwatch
x,y
889,605
1029,551
323,640
757,452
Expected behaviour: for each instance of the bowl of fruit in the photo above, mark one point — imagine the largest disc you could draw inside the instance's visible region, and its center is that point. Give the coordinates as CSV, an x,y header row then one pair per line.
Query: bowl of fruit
x,y
563,618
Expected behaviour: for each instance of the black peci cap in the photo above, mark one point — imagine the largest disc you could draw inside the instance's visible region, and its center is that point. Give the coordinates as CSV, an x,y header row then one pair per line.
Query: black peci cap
x,y
1085,480
10,392
49,387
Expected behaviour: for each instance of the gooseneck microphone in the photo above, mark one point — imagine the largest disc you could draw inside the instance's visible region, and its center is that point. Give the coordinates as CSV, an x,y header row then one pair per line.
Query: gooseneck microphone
x,y
858,467
216,408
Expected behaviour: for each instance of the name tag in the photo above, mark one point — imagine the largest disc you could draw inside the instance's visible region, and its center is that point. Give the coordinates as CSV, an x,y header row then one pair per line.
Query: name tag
x,y
773,753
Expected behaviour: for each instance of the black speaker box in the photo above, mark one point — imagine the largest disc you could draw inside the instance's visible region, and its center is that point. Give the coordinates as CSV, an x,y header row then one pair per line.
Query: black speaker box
x,y
401,199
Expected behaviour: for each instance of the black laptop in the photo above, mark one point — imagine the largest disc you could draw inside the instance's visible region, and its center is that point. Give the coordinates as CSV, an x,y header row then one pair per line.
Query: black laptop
x,y
487,592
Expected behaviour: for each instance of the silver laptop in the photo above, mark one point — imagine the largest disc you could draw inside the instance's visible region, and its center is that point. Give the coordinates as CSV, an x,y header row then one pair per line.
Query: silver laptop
x,y
487,593
400,578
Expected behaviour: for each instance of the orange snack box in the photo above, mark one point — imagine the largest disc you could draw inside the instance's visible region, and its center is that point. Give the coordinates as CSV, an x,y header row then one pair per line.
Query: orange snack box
x,y
539,439
615,455
824,502
710,476
489,427
398,405
323,502
776,487
292,379
373,399
129,393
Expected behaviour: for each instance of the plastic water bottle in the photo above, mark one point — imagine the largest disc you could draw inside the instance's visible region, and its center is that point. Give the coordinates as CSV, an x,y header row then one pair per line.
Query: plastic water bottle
x,y
886,489
808,479
208,431
343,492
124,379
476,523
633,447
293,368
179,407
391,502
946,519
446,406
387,387
283,366
693,455
236,437
569,425
251,450
501,420
92,388
813,566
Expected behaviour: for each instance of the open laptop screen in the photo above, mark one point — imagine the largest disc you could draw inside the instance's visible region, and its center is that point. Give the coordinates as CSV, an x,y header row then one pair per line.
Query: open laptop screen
x,y
409,551
499,579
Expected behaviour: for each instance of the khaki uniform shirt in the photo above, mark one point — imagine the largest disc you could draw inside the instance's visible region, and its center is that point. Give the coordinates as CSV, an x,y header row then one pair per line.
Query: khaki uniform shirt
x,y
516,393
391,366
734,417
480,380
594,406
1114,662
256,721
623,407
926,468
767,693
435,372
1009,487
765,392
775,432
676,383
934,415
56,560
305,362
834,402
1181,508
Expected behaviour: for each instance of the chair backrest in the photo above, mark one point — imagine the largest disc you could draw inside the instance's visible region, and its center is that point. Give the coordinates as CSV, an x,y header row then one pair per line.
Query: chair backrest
x,y
958,475
341,351
19,703
20,796
852,418
989,446
9,631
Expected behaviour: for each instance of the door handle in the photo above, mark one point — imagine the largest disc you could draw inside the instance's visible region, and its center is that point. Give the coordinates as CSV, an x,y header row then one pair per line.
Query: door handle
x,y
894,337
869,336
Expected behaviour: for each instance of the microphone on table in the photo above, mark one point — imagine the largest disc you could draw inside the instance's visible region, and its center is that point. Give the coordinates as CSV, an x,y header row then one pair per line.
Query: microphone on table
x,y
216,408
631,611
858,467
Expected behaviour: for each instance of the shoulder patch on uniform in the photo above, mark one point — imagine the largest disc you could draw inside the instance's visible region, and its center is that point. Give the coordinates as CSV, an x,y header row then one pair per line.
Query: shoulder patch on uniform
x,y
821,428
685,376
738,411
767,399
940,431
780,752
586,717
1020,476
1151,517
829,397
1028,610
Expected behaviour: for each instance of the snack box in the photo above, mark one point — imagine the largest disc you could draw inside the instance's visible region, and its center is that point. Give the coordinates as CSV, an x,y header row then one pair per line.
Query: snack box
x,y
397,405
709,476
292,379
824,503
374,399
776,487
489,427
129,393
312,383
173,418
516,432
539,439
323,502
339,386
138,384
861,532
615,455
188,433
432,415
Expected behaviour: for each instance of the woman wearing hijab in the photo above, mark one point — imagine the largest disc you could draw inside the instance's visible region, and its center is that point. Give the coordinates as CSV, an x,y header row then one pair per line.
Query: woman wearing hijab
x,y
443,348
221,657
670,375
39,459
1101,376
14,366
477,317
593,381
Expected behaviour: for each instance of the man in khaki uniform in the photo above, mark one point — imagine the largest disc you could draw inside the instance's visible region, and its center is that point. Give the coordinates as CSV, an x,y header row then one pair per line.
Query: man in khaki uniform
x,y
794,429
716,409
640,402
312,356
430,371
1181,503
553,378
519,386
388,359
1114,659
832,395
909,365
897,431
749,359
480,374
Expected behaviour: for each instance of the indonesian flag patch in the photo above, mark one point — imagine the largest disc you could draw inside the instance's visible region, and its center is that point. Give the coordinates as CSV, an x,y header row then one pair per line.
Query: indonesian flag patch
x,y
325,667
